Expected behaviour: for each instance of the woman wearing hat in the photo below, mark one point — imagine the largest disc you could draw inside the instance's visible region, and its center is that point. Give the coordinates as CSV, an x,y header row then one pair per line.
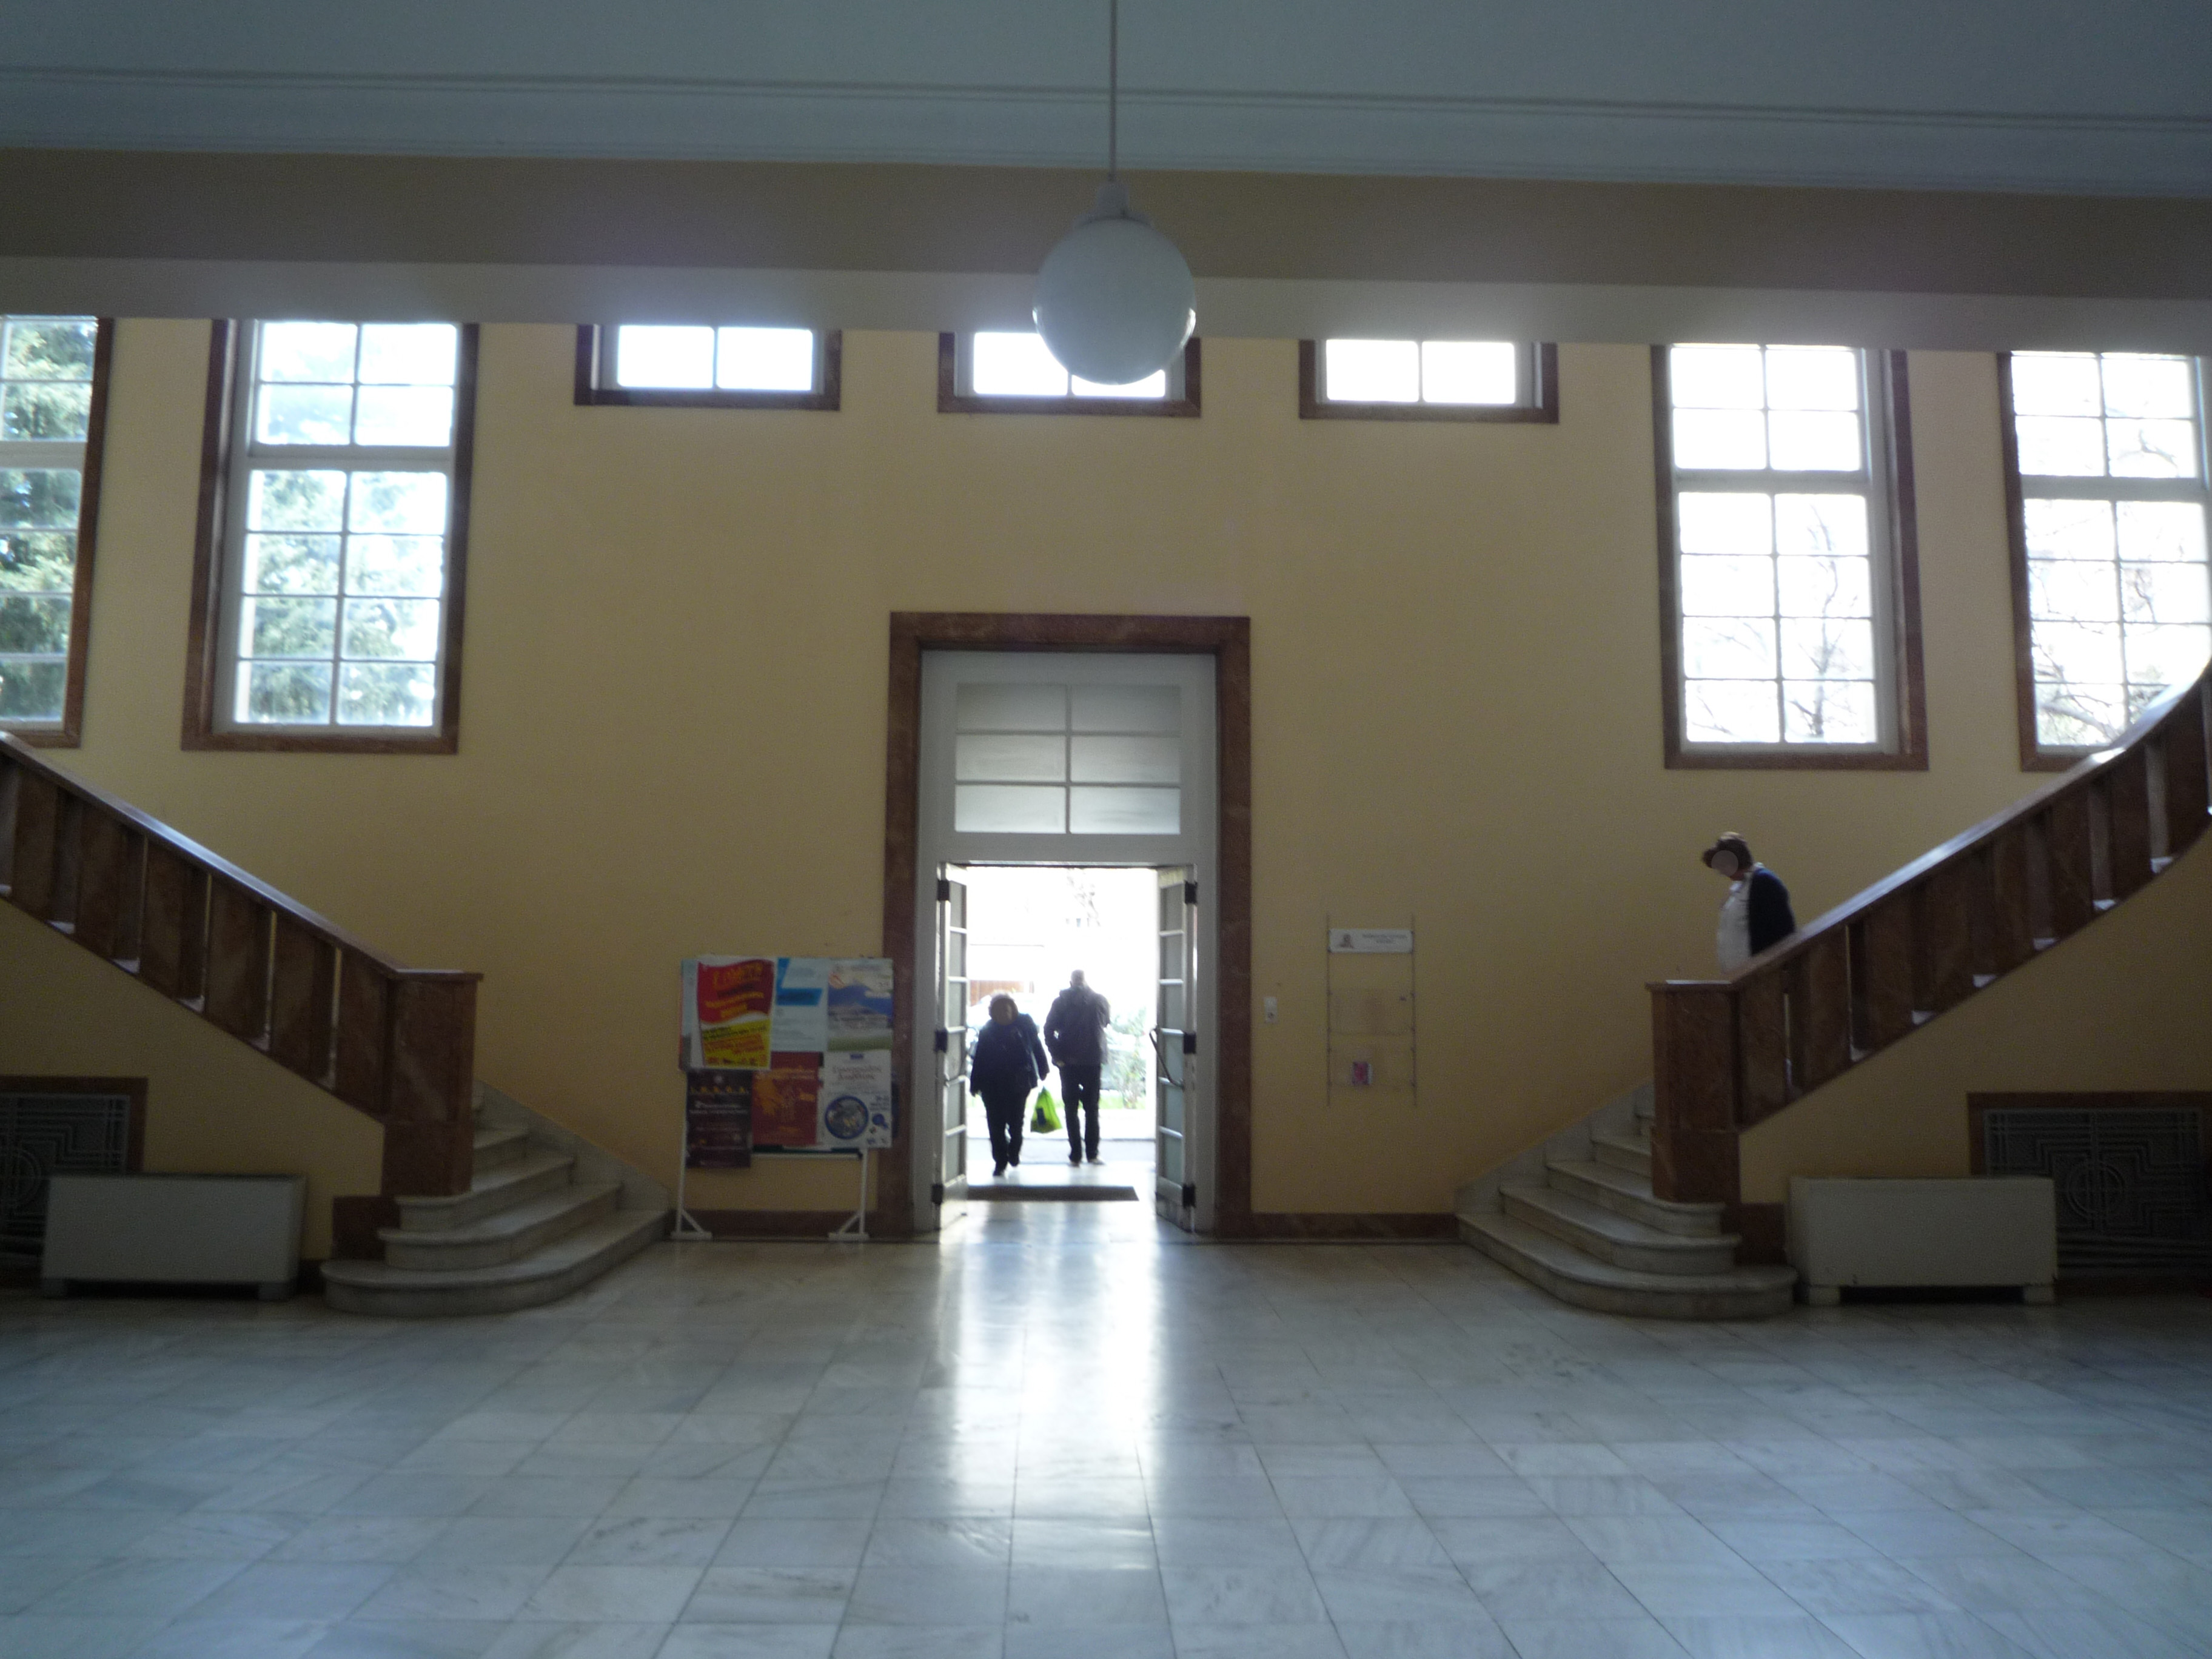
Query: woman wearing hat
x,y
1756,913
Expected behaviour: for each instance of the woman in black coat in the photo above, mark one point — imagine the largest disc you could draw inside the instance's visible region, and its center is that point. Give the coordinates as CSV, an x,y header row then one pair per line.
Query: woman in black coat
x,y
1009,1059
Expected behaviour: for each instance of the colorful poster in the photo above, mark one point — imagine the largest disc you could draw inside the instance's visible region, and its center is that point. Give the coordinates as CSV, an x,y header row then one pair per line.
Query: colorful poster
x,y
801,1022
860,1002
856,1098
718,1120
728,1011
787,1108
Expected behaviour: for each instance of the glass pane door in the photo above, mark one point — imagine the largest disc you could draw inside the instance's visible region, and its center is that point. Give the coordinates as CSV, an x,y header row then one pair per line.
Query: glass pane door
x,y
1175,1044
951,1041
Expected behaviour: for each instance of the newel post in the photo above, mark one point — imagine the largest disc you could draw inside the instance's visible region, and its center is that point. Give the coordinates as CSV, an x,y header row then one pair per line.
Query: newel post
x,y
429,1133
1695,1085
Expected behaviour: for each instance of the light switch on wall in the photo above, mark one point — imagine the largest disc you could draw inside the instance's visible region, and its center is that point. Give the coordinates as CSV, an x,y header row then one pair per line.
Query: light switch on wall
x,y
1268,1004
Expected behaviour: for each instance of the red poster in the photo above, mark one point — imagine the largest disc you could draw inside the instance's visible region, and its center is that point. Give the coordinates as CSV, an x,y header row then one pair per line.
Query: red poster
x,y
736,990
787,1108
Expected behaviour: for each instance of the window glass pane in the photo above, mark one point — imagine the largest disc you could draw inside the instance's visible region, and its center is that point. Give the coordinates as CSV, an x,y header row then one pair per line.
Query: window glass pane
x,y
418,416
1828,648
651,356
307,351
295,501
1008,809
2161,655
1125,760
1470,372
303,414
386,694
1727,587
994,758
288,627
409,353
1736,648
392,628
50,349
1829,711
1738,524
413,565
1821,526
1004,365
1371,371
2071,530
1154,384
38,562
32,689
2079,716
2148,388
284,692
1812,377
403,503
1731,711
1010,708
1097,812
33,625
41,498
2160,531
1719,440
44,411
2165,593
1826,588
2072,590
2151,449
1800,441
1127,709
291,564
1717,377
2078,653
764,359
2055,446
2056,383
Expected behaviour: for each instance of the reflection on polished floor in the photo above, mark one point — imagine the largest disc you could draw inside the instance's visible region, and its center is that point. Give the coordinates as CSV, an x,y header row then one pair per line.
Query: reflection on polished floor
x,y
1066,1433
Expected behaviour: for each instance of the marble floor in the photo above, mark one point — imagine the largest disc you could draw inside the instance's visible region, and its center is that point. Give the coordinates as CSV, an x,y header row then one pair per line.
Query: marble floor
x,y
1062,1433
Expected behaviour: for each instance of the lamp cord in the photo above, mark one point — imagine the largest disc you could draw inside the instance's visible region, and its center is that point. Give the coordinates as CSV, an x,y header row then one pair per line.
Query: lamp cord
x,y
1113,88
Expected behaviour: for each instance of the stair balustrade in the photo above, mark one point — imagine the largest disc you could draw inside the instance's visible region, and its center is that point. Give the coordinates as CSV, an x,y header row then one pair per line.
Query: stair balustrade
x,y
1731,1052
398,1043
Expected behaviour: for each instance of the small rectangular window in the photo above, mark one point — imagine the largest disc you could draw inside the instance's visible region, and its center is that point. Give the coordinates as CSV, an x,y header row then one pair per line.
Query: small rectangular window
x,y
995,371
1376,380
53,399
331,552
1789,574
2106,468
701,365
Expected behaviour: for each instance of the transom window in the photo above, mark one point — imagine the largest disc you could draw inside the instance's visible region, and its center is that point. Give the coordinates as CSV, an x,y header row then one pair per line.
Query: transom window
x,y
1427,379
1020,365
701,365
347,487
48,480
1783,551
2108,481
1085,760
999,371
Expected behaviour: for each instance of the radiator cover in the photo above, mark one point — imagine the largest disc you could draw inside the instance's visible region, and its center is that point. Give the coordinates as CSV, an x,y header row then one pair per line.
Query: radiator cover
x,y
174,1229
1983,1231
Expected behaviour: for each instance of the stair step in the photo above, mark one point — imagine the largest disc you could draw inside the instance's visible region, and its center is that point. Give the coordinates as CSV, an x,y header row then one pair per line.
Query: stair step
x,y
1610,1237
1627,1193
546,1274
491,1191
1630,1152
504,1236
495,1146
1568,1274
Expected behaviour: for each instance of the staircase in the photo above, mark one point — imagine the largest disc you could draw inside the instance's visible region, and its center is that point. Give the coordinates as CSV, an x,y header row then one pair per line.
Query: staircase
x,y
1592,1233
527,1231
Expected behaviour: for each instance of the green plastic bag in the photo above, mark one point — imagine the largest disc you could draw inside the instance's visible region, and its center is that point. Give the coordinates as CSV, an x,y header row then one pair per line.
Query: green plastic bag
x,y
1047,1117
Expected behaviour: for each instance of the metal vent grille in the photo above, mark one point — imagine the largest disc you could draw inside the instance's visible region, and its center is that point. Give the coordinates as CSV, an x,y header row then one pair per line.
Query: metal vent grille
x,y
43,1135
2131,1183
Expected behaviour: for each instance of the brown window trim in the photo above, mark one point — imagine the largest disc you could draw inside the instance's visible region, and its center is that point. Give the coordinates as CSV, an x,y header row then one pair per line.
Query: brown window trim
x,y
590,392
951,400
134,1150
203,674
69,733
1909,687
1544,411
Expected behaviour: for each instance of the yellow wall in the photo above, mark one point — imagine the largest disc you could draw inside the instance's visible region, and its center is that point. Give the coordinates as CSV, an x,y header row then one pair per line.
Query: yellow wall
x,y
672,740
2121,1005
213,1105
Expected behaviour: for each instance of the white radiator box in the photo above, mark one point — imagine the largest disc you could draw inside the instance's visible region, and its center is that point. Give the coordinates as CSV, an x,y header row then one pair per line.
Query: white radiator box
x,y
1988,1230
174,1229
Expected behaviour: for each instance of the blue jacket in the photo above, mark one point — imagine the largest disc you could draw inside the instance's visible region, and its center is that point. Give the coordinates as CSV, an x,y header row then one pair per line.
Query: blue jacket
x,y
1770,918
1007,1057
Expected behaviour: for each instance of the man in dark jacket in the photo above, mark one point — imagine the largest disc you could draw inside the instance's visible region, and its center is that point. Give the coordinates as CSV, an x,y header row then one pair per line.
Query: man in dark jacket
x,y
1075,1031
1756,913
1008,1062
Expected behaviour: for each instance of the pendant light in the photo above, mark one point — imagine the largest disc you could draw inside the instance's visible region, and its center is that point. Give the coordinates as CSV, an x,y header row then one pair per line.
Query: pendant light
x,y
1115,298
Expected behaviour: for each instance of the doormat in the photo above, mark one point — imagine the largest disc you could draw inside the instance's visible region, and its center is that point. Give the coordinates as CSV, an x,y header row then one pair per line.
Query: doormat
x,y
1011,1195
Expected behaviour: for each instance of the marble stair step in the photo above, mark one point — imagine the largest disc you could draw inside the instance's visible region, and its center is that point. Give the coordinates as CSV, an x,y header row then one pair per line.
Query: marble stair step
x,y
1625,1193
1629,1152
505,1235
495,1147
545,1274
1611,1236
536,1172
1558,1268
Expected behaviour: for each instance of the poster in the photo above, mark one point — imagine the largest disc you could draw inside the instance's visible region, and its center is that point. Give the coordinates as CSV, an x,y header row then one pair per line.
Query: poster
x,y
856,1098
787,1108
860,1002
729,1007
802,1014
718,1120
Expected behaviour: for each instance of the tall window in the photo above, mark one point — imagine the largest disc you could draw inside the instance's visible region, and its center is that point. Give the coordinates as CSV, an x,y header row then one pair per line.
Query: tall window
x,y
52,375
2108,473
1428,381
1788,576
696,365
1007,373
341,539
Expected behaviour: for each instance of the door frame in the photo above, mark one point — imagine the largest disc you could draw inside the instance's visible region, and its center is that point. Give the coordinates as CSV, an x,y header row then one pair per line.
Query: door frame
x,y
1227,640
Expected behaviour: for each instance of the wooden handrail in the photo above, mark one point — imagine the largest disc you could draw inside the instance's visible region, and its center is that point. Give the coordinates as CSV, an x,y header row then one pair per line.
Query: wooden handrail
x,y
398,1043
1729,1052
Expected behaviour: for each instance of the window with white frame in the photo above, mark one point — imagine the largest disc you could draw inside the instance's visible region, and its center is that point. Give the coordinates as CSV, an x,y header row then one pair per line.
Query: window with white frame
x,y
2110,509
1427,379
1784,551
699,366
341,555
1008,371
47,368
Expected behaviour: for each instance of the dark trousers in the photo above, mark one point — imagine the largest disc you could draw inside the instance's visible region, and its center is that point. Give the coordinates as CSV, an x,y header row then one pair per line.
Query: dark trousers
x,y
1079,1091
1003,1108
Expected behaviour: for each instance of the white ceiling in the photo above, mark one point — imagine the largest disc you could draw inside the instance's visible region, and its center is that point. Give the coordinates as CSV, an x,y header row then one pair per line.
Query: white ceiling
x,y
2097,96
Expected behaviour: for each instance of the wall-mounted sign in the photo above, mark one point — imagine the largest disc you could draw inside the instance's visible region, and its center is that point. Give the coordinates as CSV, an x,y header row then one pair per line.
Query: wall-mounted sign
x,y
1370,941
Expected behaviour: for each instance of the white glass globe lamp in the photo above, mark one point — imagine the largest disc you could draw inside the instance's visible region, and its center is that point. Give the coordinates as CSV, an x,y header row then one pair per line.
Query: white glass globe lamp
x,y
1115,299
